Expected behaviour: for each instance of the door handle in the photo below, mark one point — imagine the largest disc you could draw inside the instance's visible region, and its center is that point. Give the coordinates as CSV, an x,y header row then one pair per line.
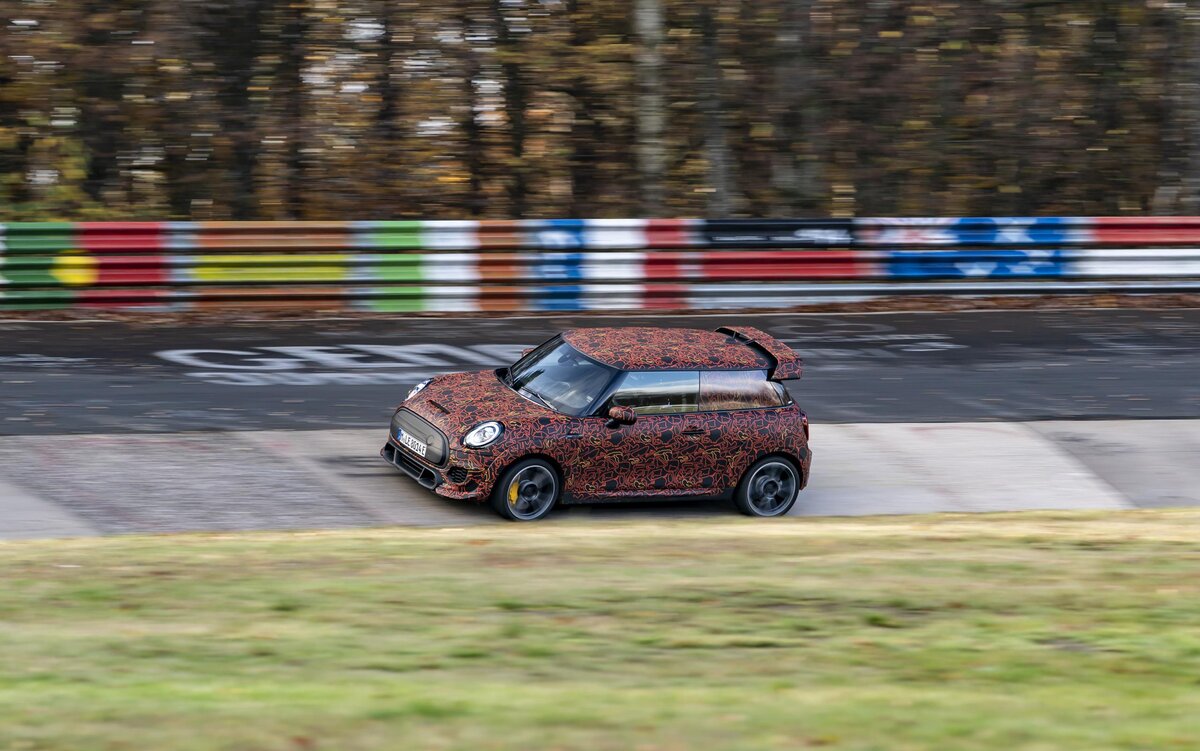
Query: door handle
x,y
695,431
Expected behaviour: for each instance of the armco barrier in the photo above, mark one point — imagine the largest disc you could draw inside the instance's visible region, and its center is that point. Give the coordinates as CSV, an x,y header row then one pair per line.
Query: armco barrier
x,y
584,264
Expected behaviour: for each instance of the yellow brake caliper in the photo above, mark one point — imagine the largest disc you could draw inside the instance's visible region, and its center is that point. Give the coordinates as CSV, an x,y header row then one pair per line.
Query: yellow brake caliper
x,y
512,493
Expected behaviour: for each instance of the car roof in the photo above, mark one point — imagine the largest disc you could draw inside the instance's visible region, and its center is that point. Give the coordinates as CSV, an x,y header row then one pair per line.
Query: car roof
x,y
648,348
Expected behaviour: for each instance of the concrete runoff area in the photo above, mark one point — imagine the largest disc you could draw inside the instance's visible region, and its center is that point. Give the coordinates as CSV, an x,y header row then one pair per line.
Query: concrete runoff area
x,y
64,486
25,516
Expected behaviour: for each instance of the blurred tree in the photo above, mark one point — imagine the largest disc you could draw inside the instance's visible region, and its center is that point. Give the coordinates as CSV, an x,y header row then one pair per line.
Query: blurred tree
x,y
218,109
648,22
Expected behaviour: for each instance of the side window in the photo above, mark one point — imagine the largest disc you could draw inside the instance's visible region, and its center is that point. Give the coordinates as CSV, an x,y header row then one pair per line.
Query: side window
x,y
738,389
665,392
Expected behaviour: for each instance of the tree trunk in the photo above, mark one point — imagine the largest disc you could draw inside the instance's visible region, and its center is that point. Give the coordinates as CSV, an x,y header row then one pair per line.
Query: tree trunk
x,y
716,146
386,119
586,132
651,104
242,35
473,153
796,164
1189,110
294,33
515,101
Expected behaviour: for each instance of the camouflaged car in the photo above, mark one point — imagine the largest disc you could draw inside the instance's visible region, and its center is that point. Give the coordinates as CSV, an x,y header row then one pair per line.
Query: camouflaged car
x,y
613,414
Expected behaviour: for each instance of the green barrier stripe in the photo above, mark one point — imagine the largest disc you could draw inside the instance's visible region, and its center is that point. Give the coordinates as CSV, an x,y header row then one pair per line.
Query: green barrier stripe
x,y
24,237
28,263
394,267
31,278
413,305
393,235
49,299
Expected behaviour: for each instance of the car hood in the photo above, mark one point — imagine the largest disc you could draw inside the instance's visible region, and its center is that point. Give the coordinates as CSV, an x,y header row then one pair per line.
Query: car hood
x,y
457,402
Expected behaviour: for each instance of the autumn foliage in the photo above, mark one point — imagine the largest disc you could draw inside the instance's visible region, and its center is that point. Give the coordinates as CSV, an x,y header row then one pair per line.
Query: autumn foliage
x,y
372,109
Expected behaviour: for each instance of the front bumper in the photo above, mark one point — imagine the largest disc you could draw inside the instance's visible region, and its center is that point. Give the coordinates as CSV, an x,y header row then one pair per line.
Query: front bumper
x,y
460,479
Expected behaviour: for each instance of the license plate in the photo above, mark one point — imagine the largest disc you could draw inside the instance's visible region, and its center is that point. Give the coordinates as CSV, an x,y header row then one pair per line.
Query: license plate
x,y
418,448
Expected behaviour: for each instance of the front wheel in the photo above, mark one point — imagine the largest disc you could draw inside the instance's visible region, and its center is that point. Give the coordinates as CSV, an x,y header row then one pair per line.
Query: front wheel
x,y
527,491
769,488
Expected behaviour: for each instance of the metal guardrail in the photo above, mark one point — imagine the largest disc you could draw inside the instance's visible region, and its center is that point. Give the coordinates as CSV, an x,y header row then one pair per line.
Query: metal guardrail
x,y
594,264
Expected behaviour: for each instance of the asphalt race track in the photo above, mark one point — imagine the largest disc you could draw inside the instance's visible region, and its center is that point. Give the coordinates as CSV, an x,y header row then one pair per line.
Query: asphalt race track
x,y
113,428
60,378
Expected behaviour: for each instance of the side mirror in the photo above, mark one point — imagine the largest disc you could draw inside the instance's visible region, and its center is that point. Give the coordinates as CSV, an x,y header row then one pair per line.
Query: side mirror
x,y
621,416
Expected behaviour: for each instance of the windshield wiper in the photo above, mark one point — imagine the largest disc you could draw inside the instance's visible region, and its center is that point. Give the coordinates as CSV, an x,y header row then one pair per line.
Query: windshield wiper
x,y
530,395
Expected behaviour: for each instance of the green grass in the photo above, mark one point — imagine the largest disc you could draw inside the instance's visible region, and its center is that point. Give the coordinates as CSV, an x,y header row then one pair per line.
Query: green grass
x,y
1017,633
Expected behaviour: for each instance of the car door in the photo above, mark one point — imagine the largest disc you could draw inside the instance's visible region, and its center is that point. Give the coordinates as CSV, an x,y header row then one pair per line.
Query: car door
x,y
656,454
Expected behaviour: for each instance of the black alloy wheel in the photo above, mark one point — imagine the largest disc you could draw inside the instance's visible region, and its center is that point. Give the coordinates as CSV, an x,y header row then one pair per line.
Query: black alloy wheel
x,y
527,491
769,488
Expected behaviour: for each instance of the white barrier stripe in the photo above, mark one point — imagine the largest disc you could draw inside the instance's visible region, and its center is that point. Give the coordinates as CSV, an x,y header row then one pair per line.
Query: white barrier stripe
x,y
459,299
1136,254
1118,269
180,236
450,235
613,297
614,266
450,267
183,268
614,233
360,234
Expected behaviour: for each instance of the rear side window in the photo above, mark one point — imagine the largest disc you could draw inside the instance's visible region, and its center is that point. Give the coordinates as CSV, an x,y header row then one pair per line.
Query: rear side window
x,y
738,389
665,392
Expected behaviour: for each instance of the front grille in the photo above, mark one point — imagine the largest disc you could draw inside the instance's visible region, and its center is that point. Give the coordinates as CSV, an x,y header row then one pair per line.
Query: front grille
x,y
422,474
457,475
423,431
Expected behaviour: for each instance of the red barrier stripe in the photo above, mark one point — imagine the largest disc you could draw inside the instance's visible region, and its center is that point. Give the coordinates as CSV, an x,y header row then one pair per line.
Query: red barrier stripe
x,y
1168,236
1146,221
670,233
500,234
501,267
665,297
265,235
115,270
671,266
1147,230
274,298
503,298
124,298
123,236
784,265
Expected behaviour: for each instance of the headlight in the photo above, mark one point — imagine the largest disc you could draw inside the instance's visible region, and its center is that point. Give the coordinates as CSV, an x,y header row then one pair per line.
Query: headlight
x,y
483,434
417,389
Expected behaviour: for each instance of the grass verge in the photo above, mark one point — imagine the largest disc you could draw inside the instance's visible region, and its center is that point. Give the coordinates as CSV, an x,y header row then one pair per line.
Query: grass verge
x,y
1018,632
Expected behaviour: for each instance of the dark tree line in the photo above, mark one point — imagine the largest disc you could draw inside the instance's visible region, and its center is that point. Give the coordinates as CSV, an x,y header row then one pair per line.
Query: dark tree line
x,y
314,109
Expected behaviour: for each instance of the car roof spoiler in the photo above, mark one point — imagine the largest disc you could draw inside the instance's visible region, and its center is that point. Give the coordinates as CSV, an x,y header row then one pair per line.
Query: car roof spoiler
x,y
786,364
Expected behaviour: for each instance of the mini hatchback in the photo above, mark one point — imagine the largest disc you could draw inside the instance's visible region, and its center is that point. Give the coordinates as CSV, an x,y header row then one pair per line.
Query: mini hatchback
x,y
613,414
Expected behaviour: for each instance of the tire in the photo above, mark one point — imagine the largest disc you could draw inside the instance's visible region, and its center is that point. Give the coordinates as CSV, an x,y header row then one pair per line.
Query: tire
x,y
527,491
769,488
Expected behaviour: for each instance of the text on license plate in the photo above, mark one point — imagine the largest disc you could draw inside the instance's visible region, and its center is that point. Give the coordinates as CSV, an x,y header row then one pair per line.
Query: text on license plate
x,y
412,443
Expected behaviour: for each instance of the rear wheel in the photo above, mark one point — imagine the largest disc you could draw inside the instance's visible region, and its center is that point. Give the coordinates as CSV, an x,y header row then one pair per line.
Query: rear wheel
x,y
769,488
527,491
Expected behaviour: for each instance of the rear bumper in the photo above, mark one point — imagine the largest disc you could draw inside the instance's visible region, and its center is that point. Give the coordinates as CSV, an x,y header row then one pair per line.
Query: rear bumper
x,y
805,466
439,480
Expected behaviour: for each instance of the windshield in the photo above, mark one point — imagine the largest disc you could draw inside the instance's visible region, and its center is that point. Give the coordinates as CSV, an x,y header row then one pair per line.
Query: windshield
x,y
557,375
